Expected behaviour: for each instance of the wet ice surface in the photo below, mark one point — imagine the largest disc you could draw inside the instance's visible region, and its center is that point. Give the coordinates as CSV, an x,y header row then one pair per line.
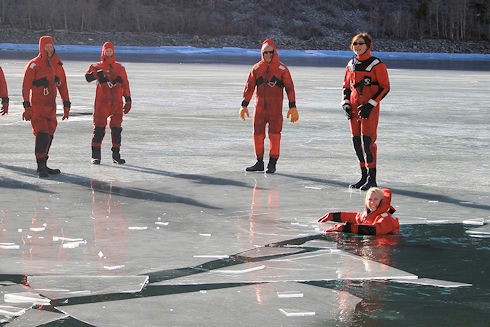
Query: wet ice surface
x,y
183,211
278,304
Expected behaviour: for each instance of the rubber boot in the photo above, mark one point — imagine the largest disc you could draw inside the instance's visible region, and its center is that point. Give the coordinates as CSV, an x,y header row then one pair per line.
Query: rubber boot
x,y
96,155
371,182
259,165
362,181
116,157
52,171
271,166
42,170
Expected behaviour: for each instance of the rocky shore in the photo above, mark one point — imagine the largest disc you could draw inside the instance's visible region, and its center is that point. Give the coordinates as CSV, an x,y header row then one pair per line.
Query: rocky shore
x,y
337,41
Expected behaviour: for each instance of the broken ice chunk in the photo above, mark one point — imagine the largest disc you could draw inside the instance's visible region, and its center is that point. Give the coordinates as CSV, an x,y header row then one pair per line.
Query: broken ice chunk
x,y
438,221
137,227
9,246
431,282
72,245
10,311
25,297
296,313
59,238
313,187
244,271
475,221
212,256
289,294
113,267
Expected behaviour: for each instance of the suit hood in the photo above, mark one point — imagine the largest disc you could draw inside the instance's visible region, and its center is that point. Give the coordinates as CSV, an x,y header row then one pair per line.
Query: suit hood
x,y
105,59
275,56
42,43
384,206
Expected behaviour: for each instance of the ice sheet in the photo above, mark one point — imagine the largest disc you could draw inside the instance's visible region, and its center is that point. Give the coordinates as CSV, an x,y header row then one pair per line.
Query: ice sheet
x,y
57,287
312,266
239,306
184,181
33,318
432,282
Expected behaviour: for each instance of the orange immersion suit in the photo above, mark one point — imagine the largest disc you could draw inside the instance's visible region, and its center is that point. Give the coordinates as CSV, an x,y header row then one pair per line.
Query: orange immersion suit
x,y
4,94
43,78
366,81
270,80
112,86
380,221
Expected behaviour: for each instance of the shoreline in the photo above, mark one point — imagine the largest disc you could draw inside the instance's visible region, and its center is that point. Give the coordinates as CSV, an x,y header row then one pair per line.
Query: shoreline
x,y
235,55
285,42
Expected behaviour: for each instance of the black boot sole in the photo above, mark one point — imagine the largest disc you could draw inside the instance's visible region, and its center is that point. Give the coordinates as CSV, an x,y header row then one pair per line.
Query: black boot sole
x,y
357,185
119,161
43,174
54,171
368,185
253,169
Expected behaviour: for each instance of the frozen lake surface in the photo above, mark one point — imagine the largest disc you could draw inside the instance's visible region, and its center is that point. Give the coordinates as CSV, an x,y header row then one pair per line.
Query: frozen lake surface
x,y
181,235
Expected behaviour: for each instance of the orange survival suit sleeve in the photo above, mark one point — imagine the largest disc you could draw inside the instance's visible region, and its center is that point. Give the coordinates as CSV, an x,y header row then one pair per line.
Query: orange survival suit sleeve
x,y
29,74
3,86
61,85
382,225
91,74
124,77
289,86
346,91
384,82
345,217
249,87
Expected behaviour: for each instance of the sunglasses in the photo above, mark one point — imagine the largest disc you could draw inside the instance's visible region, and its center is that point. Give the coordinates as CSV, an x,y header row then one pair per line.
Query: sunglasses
x,y
358,43
268,52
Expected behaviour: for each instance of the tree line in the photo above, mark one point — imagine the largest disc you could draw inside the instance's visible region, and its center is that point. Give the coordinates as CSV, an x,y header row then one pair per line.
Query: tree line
x,y
460,20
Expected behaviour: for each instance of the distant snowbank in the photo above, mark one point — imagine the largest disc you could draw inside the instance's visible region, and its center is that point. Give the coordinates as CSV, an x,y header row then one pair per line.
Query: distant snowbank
x,y
240,52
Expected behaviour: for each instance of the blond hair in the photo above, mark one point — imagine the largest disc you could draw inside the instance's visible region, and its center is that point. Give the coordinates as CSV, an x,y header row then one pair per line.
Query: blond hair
x,y
375,190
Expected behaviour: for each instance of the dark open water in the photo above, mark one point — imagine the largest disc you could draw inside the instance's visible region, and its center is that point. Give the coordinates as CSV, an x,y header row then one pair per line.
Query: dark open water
x,y
442,252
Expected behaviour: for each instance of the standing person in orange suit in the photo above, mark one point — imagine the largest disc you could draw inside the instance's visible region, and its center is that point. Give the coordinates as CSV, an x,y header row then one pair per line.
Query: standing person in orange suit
x,y
4,94
44,76
112,86
365,84
270,77
376,219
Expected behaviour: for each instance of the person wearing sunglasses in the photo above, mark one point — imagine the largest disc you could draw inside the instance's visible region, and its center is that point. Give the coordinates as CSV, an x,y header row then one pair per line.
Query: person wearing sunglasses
x,y
270,77
365,84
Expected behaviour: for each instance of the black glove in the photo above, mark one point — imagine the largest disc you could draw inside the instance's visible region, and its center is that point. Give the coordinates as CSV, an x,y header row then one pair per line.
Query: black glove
x,y
365,110
348,110
101,77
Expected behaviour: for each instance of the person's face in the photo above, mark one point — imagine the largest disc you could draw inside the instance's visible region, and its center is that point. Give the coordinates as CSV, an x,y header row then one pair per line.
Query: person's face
x,y
268,53
49,49
373,201
108,52
359,46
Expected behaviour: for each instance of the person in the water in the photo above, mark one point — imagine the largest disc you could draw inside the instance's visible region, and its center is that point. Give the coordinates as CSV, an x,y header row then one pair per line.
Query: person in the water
x,y
376,219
